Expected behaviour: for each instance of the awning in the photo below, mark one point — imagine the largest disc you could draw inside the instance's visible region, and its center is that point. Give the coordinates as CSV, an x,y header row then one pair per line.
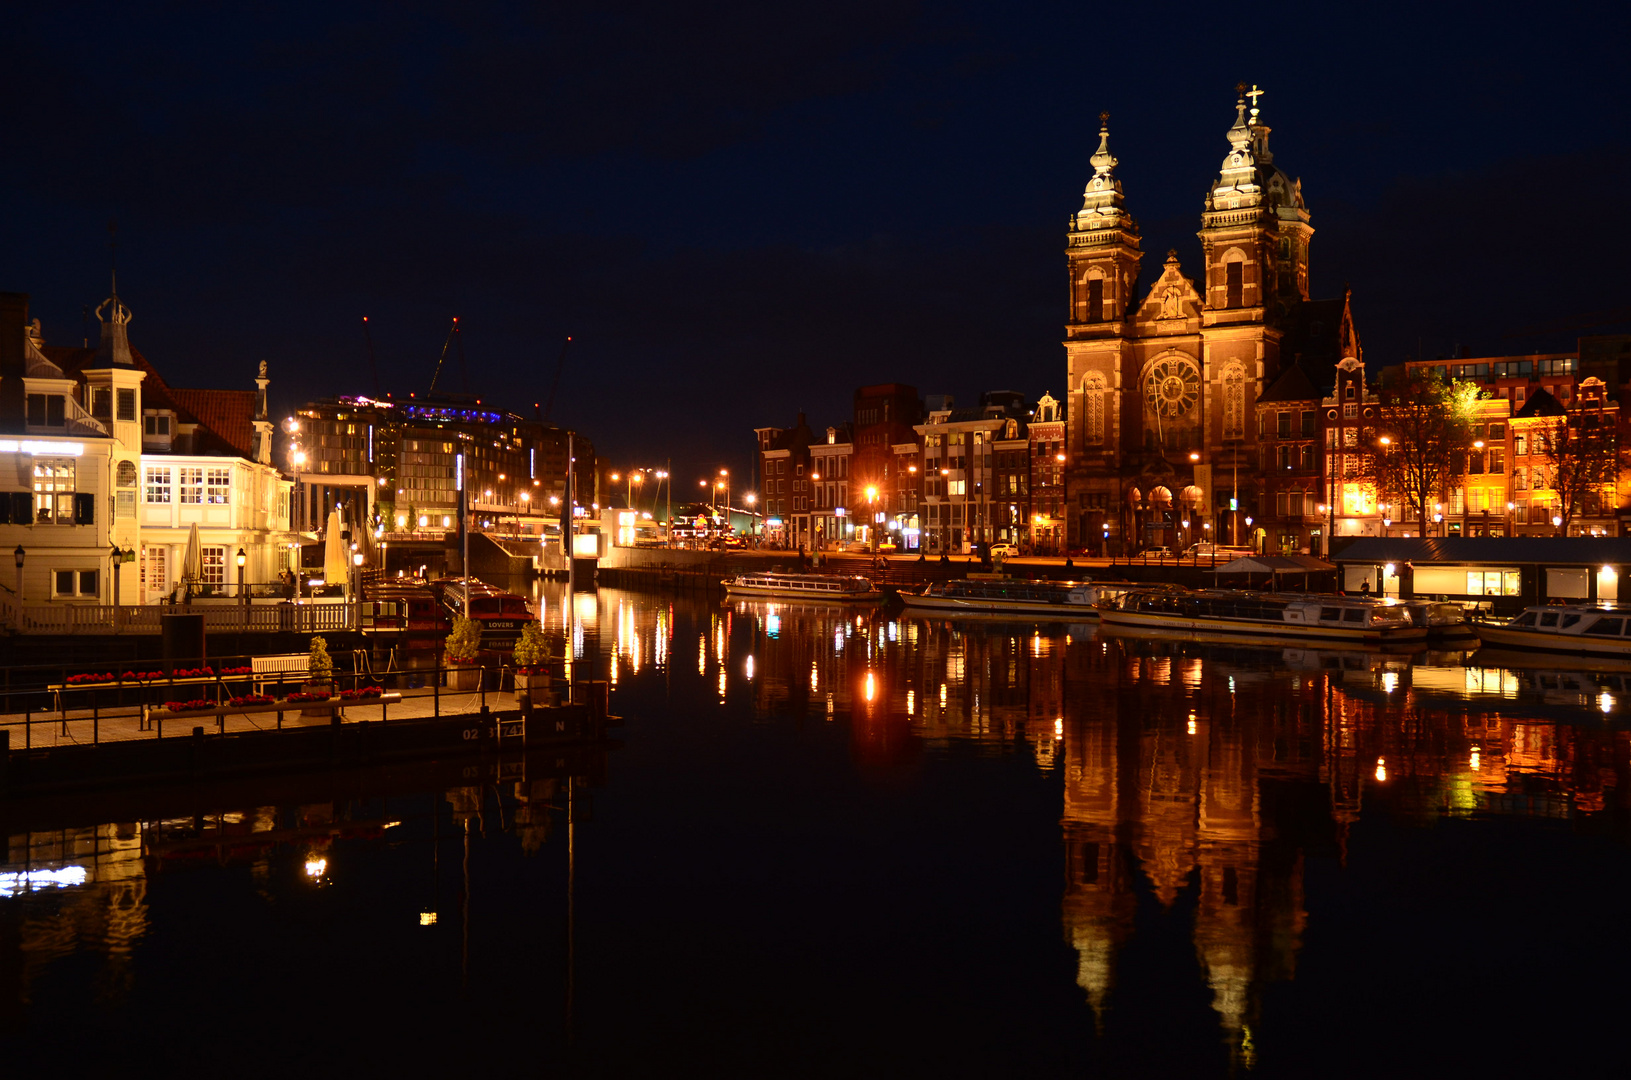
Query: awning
x,y
1276,564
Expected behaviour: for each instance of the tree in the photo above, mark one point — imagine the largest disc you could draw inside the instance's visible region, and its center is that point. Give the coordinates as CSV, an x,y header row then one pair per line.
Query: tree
x,y
1415,447
1582,457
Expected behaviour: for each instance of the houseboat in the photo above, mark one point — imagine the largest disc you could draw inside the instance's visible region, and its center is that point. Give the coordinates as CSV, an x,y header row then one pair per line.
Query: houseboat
x,y
1230,614
1595,629
1076,600
501,615
829,587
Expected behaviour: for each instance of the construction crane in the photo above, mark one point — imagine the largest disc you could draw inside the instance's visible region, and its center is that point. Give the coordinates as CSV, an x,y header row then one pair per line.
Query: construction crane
x,y
560,365
452,336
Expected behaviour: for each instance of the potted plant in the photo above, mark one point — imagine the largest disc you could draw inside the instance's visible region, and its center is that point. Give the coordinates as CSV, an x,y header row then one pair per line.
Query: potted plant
x,y
463,646
319,679
531,657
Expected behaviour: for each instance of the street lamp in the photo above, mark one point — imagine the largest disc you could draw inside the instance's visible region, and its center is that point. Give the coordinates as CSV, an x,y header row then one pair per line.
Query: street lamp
x,y
242,559
872,515
19,553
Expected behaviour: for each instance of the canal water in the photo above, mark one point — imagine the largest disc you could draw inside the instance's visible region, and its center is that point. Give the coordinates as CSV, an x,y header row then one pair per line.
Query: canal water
x,y
833,841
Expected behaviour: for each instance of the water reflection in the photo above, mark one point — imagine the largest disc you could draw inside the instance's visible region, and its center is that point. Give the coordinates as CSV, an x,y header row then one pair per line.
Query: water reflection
x,y
1197,783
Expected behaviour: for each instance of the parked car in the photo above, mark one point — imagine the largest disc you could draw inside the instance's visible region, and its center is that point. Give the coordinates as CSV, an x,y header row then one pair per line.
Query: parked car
x,y
1003,551
1217,552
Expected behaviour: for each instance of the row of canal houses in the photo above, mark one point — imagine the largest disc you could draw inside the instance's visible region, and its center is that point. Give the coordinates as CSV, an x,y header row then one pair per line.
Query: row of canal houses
x,y
105,469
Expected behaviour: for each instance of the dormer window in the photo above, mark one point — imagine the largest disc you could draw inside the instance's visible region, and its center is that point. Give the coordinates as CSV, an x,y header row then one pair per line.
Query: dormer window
x,y
156,425
46,410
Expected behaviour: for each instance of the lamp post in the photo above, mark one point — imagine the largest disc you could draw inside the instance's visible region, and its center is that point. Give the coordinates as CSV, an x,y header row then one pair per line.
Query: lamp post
x,y
243,597
19,553
872,517
116,557
1249,528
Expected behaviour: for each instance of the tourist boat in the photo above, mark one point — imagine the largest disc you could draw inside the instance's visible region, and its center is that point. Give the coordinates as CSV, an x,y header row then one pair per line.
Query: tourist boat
x,y
1225,614
1444,621
1010,596
1597,629
501,615
802,586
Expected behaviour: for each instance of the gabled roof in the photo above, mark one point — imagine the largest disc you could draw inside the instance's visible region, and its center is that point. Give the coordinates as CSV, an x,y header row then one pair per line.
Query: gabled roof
x,y
1292,385
1541,403
225,418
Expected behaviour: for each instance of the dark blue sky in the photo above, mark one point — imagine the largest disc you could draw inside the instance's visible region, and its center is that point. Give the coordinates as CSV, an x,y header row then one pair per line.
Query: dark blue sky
x,y
740,210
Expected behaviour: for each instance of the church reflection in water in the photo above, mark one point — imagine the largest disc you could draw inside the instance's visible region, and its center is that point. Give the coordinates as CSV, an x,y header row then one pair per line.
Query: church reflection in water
x,y
1200,772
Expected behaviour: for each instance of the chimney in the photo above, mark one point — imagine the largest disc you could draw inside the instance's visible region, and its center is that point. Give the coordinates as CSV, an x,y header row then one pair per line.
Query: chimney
x,y
13,327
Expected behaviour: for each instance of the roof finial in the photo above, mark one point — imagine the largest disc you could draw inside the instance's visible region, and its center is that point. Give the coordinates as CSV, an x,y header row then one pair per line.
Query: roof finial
x,y
1102,160
1254,94
113,253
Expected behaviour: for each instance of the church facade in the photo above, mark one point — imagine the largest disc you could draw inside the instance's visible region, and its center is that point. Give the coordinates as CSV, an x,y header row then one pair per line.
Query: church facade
x,y
1164,380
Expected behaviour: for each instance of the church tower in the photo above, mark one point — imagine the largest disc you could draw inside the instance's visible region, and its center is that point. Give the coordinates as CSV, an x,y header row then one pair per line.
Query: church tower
x,y
1254,232
1102,254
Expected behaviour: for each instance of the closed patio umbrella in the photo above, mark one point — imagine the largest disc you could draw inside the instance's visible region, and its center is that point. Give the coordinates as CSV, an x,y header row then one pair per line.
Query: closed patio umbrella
x,y
336,557
192,560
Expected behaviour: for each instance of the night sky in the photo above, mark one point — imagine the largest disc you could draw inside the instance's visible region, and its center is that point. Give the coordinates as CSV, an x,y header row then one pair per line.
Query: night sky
x,y
741,210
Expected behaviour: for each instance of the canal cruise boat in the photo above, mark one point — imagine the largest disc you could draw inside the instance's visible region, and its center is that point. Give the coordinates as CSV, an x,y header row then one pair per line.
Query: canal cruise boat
x,y
501,615
1596,629
832,587
1075,600
1232,614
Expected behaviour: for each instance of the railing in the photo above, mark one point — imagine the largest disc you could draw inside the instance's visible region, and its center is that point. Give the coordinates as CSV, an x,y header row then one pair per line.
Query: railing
x,y
39,708
146,618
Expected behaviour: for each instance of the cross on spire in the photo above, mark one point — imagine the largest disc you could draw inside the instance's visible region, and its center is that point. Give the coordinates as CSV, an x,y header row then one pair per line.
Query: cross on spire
x,y
1104,118
1255,94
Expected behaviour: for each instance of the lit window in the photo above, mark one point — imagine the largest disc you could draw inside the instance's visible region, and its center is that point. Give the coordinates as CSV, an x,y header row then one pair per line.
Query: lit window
x,y
192,484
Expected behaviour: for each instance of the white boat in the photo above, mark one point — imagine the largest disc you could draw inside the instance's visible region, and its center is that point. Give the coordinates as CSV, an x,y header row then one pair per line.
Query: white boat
x,y
802,586
1232,614
1009,596
1597,629
1444,621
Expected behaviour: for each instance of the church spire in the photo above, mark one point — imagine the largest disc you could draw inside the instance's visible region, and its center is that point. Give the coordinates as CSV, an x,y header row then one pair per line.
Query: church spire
x,y
1102,201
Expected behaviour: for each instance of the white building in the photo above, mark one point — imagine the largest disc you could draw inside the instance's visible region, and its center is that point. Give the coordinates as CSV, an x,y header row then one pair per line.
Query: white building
x,y
104,468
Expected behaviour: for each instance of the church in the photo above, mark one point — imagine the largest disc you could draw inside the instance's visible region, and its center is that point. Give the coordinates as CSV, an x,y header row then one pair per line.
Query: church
x,y
1164,381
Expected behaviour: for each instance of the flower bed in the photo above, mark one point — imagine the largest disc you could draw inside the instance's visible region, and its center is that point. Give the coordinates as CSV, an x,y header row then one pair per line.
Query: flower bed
x,y
205,672
299,696
142,676
360,693
249,700
245,670
90,679
533,669
187,706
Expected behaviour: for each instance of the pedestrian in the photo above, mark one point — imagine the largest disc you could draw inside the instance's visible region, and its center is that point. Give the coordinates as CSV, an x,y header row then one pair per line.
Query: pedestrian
x,y
1364,588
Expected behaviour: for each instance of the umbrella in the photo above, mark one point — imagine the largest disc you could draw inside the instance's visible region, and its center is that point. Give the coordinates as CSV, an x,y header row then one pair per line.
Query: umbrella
x,y
336,558
192,561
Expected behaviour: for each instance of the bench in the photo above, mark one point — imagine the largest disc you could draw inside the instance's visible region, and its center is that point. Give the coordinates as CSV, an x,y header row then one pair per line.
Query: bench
x,y
283,664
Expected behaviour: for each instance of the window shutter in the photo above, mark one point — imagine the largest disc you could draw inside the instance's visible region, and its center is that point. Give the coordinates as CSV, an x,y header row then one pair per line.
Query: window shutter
x,y
22,508
84,508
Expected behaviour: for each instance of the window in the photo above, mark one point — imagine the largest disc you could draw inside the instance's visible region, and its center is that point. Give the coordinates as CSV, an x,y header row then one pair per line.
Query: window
x,y
1605,626
158,485
73,583
1282,458
1497,431
192,484
54,491
127,404
1350,437
1095,300
1309,418
219,482
214,565
1520,445
1093,404
101,402
156,425
1234,278
1234,402
45,410
1283,425
1497,460
1350,411
1305,458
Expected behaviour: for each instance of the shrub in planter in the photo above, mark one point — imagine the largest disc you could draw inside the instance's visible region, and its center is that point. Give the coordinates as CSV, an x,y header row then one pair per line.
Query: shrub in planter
x,y
464,643
319,665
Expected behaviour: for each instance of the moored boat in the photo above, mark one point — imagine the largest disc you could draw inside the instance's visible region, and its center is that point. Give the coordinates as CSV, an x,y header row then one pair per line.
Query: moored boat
x,y
1597,629
1444,621
1009,596
829,587
501,615
1224,614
